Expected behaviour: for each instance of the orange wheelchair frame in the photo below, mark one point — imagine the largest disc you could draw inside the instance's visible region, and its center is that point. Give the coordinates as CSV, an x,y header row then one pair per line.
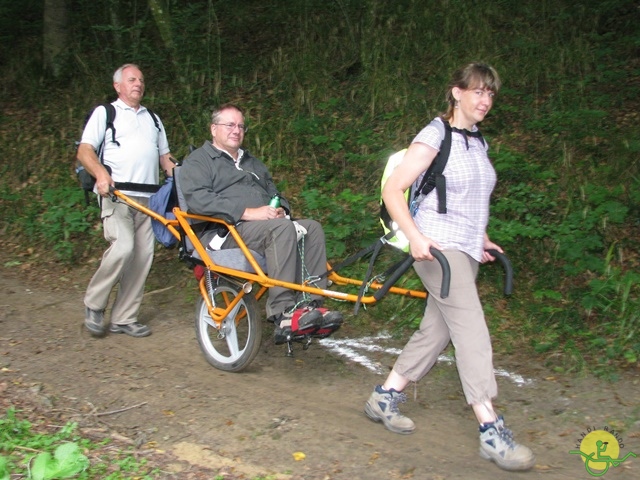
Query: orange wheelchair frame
x,y
228,322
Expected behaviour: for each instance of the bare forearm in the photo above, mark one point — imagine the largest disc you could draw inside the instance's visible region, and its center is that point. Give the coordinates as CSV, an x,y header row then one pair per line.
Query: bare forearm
x,y
89,160
167,163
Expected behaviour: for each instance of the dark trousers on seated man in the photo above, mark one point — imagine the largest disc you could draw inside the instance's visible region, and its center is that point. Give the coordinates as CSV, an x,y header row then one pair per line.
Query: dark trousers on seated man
x,y
276,240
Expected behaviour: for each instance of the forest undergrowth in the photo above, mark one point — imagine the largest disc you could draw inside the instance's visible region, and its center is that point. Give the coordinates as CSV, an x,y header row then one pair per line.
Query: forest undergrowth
x,y
330,89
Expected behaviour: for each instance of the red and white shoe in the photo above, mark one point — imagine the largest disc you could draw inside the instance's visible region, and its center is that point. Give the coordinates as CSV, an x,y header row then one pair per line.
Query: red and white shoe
x,y
300,322
331,321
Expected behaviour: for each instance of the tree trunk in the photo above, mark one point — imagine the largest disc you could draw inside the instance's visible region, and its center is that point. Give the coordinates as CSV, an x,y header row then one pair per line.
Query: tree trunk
x,y
55,36
162,17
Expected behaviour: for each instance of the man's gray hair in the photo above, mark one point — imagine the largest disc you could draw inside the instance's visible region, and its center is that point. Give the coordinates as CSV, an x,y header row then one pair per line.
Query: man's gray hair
x,y
117,75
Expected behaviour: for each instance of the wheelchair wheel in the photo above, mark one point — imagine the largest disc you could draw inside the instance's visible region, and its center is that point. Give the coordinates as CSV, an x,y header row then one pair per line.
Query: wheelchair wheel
x,y
236,343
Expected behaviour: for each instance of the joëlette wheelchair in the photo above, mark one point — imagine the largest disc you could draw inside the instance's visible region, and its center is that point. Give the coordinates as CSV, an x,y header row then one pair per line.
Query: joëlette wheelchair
x,y
232,281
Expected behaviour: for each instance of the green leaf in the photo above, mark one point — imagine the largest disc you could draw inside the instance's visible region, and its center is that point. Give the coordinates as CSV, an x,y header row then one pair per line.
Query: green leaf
x,y
41,465
70,460
4,471
67,462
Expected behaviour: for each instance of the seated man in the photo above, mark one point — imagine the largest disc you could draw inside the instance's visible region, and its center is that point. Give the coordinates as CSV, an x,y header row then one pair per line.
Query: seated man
x,y
222,180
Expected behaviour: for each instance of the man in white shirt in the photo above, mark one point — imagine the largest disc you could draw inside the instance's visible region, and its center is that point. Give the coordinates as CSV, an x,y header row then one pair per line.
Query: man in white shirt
x,y
130,155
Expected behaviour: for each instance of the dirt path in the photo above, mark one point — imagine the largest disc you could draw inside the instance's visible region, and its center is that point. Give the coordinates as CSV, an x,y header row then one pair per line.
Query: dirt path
x,y
251,423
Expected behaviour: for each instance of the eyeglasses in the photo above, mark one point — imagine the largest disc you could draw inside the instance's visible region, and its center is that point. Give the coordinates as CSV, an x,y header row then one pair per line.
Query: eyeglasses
x,y
232,126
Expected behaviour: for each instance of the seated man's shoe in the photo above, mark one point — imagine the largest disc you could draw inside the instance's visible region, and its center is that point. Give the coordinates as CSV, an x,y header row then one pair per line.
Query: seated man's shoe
x,y
95,323
134,329
296,323
282,335
331,321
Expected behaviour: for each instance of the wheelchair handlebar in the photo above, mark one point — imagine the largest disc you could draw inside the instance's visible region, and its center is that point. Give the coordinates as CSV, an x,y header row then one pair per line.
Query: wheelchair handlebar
x,y
404,266
508,270
446,272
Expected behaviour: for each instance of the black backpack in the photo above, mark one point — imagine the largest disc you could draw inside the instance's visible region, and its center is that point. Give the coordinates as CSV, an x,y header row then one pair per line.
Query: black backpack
x,y
87,182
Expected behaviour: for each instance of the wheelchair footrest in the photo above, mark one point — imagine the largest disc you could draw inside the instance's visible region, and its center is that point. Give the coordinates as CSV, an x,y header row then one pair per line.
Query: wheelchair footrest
x,y
307,339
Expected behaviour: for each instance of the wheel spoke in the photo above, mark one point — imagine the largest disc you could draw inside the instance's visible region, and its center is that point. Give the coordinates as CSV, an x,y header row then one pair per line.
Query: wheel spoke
x,y
231,336
208,320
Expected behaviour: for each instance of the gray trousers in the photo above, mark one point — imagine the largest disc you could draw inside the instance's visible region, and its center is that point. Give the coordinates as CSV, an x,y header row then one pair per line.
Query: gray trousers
x,y
458,318
277,240
126,263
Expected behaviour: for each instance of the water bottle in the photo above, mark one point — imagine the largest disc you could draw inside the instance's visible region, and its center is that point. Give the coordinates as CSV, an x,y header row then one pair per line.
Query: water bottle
x,y
275,201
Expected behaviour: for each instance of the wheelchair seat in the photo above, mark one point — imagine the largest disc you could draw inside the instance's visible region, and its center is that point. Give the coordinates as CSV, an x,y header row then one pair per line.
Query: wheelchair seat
x,y
226,257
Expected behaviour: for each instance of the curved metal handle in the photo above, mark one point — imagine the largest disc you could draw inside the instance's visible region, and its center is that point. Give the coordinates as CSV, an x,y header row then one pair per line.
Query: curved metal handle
x,y
446,272
508,270
404,266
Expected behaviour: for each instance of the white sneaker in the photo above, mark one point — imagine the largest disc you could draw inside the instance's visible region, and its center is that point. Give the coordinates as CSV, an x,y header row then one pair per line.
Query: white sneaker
x,y
497,445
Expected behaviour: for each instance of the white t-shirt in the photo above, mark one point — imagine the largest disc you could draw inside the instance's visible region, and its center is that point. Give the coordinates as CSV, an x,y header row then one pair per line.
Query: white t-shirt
x,y
137,159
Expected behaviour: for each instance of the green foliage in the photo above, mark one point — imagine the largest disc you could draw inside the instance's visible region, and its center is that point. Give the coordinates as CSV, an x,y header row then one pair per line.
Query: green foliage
x,y
339,87
66,462
570,246
342,237
65,219
4,470
27,452
612,302
58,454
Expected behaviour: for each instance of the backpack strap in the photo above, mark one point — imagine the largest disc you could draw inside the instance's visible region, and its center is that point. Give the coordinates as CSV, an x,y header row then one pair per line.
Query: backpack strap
x,y
111,116
433,177
155,118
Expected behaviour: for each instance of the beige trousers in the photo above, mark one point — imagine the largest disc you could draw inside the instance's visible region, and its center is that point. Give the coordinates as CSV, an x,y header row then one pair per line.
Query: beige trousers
x,y
458,318
126,263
